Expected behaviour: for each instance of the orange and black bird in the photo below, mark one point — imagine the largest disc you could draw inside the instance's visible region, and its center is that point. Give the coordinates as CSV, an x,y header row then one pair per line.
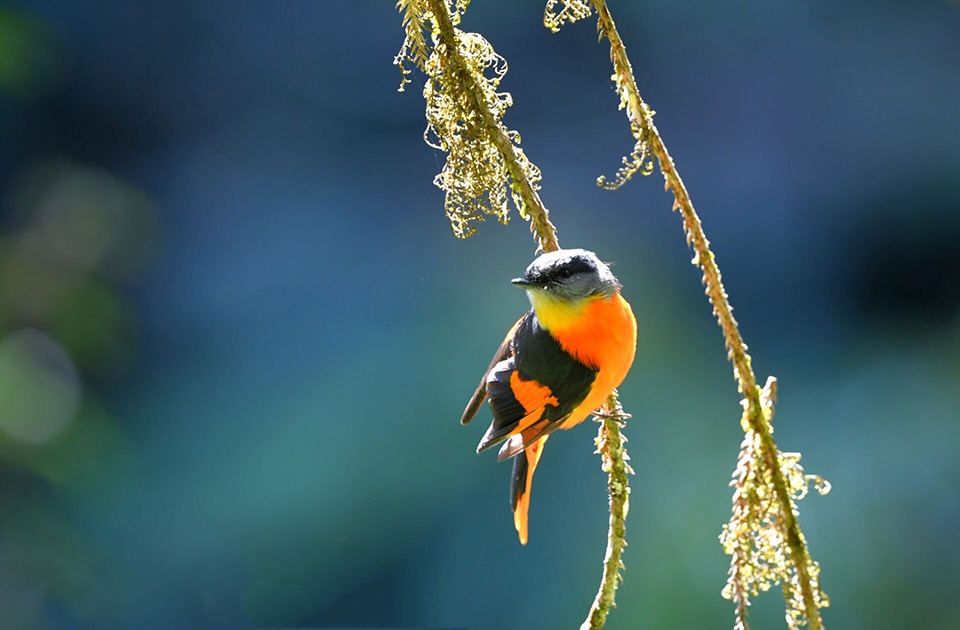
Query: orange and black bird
x,y
558,363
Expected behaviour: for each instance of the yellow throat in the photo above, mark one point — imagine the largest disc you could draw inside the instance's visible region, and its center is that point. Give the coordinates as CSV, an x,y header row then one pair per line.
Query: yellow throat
x,y
558,313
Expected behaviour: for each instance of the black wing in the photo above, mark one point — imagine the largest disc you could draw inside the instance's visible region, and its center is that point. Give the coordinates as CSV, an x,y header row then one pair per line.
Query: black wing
x,y
534,390
504,351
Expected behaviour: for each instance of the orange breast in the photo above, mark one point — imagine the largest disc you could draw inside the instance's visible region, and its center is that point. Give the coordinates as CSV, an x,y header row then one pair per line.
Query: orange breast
x,y
604,338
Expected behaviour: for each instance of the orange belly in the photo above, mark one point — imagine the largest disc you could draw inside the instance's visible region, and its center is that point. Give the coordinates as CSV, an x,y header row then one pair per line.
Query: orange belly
x,y
605,339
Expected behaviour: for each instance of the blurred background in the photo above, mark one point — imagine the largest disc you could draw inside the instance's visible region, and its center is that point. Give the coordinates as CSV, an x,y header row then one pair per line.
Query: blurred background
x,y
236,333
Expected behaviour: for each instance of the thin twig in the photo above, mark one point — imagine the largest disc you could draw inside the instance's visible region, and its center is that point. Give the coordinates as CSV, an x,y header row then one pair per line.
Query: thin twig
x,y
640,115
610,445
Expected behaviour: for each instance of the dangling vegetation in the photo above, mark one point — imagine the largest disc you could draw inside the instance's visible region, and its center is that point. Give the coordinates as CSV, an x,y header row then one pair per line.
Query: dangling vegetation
x,y
465,120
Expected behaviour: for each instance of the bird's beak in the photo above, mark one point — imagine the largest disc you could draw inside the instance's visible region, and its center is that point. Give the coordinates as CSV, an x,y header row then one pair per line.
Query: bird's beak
x,y
523,284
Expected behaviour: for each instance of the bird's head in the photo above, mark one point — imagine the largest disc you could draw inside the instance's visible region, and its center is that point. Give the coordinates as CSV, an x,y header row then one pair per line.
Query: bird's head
x,y
561,283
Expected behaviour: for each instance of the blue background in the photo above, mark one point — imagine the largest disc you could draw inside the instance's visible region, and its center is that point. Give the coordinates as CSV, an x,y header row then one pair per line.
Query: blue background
x,y
220,242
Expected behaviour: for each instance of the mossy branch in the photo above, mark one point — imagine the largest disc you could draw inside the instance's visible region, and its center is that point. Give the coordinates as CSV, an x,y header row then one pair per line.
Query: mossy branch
x,y
464,76
640,115
610,445
749,528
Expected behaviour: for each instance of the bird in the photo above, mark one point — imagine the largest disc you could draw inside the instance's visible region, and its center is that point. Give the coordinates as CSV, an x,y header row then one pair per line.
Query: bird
x,y
558,363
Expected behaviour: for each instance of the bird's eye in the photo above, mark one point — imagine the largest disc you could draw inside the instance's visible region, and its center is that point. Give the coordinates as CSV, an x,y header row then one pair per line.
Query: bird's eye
x,y
564,273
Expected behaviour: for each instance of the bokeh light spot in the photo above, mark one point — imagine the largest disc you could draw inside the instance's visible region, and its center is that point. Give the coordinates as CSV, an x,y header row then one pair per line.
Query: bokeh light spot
x,y
39,387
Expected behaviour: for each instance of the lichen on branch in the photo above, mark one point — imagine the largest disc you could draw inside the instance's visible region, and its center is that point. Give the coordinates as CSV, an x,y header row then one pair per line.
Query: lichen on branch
x,y
640,159
485,166
757,537
572,11
475,175
414,48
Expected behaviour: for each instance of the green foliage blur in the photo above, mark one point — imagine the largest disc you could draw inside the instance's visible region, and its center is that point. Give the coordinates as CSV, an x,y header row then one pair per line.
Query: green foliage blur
x,y
236,333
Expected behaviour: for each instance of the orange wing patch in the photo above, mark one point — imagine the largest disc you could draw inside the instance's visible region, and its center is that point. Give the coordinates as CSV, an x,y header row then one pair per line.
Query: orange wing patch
x,y
531,394
528,420
533,397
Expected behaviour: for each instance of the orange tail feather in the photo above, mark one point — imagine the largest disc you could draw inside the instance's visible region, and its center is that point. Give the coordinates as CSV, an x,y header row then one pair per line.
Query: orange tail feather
x,y
524,466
